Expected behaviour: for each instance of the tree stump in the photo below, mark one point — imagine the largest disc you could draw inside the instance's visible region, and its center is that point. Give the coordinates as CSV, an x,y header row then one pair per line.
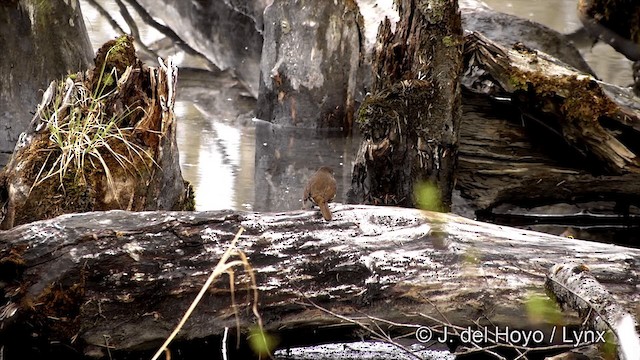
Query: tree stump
x,y
310,64
99,140
411,118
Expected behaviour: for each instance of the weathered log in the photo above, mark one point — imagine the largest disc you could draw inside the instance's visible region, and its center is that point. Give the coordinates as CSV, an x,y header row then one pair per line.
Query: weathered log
x,y
562,99
507,29
54,40
505,160
410,121
99,140
129,276
576,289
540,152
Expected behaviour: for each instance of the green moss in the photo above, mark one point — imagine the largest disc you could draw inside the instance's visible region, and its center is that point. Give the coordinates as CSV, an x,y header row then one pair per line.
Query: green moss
x,y
113,58
43,13
449,41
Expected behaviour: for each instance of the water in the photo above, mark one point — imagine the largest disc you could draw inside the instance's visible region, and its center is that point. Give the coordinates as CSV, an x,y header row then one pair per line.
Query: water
x,y
218,150
561,15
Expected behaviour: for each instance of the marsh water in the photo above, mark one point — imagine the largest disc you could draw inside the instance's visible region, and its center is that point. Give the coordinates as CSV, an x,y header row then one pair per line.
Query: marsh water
x,y
218,149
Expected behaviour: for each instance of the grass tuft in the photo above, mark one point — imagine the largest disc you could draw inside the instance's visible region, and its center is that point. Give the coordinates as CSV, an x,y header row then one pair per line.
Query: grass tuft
x,y
83,135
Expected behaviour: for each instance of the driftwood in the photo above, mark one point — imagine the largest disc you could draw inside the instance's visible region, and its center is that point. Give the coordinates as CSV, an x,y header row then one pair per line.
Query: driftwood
x,y
559,136
77,280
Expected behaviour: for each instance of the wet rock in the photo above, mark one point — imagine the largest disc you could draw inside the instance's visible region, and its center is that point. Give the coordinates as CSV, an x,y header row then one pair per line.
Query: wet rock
x,y
52,36
226,32
310,62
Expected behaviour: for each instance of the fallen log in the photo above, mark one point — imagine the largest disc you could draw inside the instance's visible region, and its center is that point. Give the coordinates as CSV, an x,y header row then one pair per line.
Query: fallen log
x,y
80,279
536,139
564,100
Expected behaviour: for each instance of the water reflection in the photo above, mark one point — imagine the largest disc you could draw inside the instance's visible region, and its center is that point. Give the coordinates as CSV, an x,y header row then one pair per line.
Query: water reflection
x,y
286,157
217,158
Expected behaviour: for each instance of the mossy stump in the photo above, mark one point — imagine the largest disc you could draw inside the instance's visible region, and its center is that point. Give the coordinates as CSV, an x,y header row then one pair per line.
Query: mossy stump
x,y
100,140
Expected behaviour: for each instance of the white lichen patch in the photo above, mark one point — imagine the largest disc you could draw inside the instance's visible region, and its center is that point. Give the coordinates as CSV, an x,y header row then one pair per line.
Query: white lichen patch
x,y
272,284
133,249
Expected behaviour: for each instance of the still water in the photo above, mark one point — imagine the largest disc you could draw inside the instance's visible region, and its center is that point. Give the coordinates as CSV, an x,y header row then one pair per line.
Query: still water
x,y
218,151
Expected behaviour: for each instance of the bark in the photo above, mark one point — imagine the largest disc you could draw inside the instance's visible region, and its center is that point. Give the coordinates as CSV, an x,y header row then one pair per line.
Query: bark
x,y
99,140
227,33
410,121
569,103
128,277
310,64
51,35
559,137
506,30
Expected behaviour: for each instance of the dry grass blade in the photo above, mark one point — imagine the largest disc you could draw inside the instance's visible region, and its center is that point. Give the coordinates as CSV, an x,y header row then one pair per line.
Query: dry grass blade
x,y
223,266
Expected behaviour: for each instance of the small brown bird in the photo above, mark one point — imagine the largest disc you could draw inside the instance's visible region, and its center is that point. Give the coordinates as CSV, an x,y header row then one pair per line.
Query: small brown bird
x,y
320,190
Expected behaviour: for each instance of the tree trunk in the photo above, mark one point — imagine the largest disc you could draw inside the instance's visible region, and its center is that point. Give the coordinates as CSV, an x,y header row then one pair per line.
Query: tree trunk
x,y
99,141
310,64
410,121
128,277
51,35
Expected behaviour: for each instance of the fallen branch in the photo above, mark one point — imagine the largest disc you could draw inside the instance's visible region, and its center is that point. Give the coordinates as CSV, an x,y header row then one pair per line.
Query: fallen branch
x,y
576,288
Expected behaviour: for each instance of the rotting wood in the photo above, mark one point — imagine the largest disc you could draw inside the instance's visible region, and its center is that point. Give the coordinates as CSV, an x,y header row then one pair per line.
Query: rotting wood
x,y
562,99
410,120
130,276
99,140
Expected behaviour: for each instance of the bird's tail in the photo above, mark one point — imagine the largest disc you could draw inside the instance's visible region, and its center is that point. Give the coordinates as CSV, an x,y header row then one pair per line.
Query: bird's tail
x,y
324,209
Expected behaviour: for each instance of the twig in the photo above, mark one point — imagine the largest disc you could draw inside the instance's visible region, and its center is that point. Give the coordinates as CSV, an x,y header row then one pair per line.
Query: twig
x,y
382,336
224,343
